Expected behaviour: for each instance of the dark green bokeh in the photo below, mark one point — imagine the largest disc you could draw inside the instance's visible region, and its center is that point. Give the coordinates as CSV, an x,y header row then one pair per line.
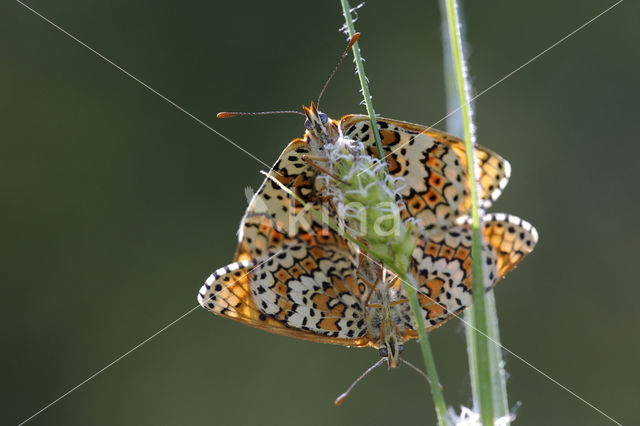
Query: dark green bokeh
x,y
116,205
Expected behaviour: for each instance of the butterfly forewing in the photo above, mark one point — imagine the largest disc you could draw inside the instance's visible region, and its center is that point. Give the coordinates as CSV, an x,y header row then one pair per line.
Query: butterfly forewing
x,y
273,215
434,167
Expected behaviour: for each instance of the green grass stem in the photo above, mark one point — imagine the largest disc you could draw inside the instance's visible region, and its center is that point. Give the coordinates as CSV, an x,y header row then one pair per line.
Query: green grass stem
x,y
346,10
485,362
410,287
498,374
455,127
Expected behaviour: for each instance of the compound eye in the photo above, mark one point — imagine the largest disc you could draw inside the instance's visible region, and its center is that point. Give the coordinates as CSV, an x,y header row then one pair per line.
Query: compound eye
x,y
323,117
307,124
383,351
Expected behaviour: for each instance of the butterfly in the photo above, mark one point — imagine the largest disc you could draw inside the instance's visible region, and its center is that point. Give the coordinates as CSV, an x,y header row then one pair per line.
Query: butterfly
x,y
431,163
323,290
433,166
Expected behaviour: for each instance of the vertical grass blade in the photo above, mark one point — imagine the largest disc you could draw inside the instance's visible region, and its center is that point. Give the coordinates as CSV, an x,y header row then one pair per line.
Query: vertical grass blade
x,y
498,374
364,84
410,286
481,356
454,126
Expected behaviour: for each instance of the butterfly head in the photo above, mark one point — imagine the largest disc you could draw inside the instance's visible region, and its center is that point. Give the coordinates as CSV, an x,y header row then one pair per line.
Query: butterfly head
x,y
391,348
319,126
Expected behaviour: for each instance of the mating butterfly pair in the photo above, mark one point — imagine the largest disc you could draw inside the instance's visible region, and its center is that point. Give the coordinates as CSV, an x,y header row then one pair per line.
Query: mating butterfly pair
x,y
294,277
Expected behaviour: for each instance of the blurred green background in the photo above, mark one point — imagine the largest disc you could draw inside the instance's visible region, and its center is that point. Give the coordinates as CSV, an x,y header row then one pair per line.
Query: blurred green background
x,y
116,206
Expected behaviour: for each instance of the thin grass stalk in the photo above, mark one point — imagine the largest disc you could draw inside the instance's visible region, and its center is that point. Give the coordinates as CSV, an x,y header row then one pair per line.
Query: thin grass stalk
x,y
454,125
498,373
453,122
479,352
409,284
364,83
406,276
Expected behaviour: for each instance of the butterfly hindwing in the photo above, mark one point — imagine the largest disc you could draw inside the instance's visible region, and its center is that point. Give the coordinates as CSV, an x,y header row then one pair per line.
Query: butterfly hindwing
x,y
299,290
511,238
442,263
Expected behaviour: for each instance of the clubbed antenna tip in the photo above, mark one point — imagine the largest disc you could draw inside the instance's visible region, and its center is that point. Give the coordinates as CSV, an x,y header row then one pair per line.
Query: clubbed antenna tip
x,y
353,40
233,114
339,400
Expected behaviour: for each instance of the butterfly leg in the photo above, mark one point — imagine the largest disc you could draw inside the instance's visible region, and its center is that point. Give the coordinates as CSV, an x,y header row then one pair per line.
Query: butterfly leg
x,y
308,160
368,284
392,282
315,158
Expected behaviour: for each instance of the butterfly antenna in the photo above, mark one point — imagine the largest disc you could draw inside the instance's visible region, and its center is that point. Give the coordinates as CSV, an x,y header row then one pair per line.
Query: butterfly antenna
x,y
344,54
339,400
417,370
233,114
